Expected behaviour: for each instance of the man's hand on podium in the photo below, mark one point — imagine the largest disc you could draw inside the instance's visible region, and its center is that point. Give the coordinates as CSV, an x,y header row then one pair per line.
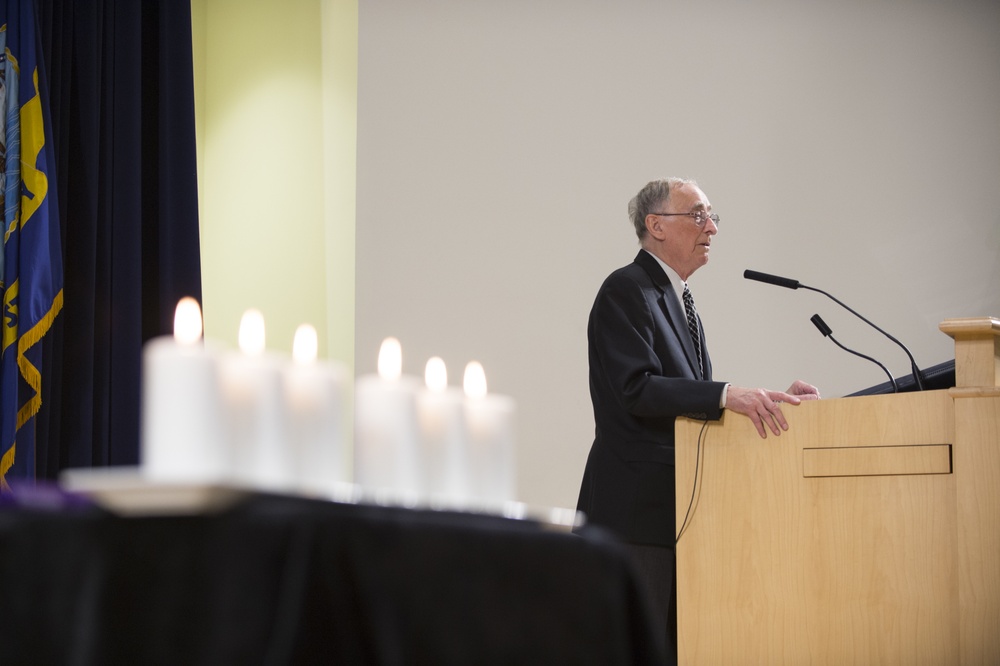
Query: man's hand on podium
x,y
761,405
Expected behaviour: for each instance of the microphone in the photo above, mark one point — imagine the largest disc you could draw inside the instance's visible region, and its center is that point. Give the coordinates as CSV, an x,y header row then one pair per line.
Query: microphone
x,y
771,279
827,333
795,284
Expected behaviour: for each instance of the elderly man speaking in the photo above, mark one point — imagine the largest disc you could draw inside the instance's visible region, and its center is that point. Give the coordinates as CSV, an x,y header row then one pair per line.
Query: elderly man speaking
x,y
649,364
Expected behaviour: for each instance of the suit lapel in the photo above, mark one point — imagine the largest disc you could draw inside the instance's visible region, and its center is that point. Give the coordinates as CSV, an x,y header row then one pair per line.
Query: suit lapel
x,y
674,310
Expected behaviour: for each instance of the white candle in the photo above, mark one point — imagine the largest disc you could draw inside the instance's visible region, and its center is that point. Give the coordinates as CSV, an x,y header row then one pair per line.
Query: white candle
x,y
489,420
252,390
315,394
442,453
385,427
182,433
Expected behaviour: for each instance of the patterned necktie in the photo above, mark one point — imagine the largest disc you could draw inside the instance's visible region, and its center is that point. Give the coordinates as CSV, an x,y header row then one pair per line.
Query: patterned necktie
x,y
692,317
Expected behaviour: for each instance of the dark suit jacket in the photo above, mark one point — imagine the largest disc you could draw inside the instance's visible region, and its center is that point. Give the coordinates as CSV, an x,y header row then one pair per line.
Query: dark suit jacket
x,y
643,373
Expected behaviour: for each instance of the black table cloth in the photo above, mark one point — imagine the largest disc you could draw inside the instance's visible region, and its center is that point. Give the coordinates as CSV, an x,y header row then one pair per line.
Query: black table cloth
x,y
279,580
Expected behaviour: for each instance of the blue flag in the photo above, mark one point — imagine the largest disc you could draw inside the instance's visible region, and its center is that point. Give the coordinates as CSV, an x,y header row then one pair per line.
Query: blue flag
x,y
31,277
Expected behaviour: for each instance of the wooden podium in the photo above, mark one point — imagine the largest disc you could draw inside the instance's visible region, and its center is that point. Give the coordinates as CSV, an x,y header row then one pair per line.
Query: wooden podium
x,y
868,533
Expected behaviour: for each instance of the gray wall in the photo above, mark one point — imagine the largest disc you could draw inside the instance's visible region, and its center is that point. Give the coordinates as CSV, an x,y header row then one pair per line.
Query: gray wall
x,y
854,146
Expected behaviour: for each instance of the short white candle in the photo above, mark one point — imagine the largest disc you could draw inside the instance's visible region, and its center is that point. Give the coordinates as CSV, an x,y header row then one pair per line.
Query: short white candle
x,y
252,389
442,430
385,427
489,421
315,393
182,433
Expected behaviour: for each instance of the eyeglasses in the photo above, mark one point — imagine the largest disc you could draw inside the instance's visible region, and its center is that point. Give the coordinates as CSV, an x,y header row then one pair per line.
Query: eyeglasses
x,y
699,217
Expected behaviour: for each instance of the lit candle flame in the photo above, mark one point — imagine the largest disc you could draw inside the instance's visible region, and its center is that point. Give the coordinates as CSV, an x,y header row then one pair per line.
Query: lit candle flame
x,y
187,321
436,374
475,380
390,359
305,345
251,340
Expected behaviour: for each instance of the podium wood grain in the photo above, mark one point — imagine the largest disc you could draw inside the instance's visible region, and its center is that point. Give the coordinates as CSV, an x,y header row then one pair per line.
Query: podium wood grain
x,y
868,533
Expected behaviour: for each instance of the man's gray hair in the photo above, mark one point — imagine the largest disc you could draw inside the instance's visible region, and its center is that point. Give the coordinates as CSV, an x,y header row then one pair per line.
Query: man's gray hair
x,y
652,199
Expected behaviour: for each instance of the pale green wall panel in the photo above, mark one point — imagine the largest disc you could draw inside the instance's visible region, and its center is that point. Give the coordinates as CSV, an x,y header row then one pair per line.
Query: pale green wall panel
x,y
276,123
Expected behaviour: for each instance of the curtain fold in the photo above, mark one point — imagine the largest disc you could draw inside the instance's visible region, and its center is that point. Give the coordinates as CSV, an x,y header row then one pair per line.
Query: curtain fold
x,y
122,105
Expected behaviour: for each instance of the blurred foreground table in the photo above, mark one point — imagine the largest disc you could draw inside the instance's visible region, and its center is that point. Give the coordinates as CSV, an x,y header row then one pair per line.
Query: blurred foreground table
x,y
278,580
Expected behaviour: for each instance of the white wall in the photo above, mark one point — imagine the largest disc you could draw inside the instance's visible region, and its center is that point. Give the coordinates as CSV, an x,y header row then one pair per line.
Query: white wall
x,y
854,146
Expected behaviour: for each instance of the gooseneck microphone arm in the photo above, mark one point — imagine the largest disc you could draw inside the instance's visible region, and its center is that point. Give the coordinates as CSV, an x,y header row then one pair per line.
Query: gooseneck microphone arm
x,y
795,284
828,333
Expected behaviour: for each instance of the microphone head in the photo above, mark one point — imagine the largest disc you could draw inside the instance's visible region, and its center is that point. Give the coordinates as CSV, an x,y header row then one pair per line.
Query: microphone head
x,y
821,325
771,279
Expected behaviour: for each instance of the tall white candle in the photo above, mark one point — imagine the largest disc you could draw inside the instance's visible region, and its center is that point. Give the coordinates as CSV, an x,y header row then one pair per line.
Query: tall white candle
x,y
442,452
316,399
252,390
182,433
489,420
385,427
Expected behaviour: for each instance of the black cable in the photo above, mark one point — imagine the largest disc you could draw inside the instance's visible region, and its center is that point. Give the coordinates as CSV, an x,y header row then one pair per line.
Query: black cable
x,y
892,380
827,332
918,377
694,486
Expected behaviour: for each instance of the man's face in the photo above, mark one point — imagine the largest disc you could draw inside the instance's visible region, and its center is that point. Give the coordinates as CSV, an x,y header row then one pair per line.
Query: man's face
x,y
685,245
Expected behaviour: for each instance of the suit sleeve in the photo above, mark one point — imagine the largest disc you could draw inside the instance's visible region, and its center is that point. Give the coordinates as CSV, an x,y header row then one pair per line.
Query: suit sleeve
x,y
641,359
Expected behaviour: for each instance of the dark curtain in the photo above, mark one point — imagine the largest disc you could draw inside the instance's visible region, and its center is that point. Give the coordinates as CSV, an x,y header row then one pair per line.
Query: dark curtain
x,y
121,97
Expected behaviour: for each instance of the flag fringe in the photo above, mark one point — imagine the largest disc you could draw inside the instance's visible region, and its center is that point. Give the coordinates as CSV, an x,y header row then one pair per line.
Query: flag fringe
x,y
30,373
5,464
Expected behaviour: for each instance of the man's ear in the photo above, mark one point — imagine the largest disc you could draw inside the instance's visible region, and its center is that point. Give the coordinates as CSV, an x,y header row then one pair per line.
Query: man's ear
x,y
654,225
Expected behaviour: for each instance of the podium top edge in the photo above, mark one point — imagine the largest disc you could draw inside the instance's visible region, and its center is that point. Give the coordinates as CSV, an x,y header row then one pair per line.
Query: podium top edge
x,y
971,326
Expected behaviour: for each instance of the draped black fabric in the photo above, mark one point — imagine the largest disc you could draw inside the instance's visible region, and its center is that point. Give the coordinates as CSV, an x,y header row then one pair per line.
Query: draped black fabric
x,y
121,93
288,581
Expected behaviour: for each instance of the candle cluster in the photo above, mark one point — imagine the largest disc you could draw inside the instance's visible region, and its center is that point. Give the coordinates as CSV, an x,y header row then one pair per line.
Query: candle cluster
x,y
249,418
433,444
257,419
